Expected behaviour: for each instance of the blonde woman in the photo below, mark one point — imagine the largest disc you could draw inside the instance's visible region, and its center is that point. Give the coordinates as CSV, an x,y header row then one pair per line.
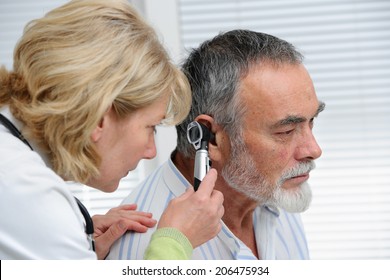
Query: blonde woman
x,y
90,83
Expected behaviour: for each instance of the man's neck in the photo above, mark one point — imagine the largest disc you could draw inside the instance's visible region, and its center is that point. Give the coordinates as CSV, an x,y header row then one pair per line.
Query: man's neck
x,y
238,209
238,217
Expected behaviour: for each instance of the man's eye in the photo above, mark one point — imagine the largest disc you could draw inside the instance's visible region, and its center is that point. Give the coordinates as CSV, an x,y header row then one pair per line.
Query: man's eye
x,y
286,132
311,123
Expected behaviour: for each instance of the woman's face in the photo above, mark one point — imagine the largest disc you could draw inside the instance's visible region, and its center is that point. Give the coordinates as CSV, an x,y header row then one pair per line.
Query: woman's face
x,y
123,143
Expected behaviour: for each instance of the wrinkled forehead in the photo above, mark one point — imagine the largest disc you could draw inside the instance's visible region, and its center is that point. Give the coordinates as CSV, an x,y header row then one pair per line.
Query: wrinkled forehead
x,y
272,91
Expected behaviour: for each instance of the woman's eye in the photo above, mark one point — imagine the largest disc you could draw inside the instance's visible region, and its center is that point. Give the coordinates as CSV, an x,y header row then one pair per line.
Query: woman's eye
x,y
153,128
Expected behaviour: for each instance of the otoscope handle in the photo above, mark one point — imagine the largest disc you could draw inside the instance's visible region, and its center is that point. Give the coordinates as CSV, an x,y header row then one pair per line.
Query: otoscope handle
x,y
202,166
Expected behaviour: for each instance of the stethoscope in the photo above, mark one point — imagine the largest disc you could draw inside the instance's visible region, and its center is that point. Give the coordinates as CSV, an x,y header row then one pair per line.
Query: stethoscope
x,y
88,220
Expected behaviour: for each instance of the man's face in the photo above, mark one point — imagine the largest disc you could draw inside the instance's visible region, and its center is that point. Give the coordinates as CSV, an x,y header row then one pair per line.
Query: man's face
x,y
272,161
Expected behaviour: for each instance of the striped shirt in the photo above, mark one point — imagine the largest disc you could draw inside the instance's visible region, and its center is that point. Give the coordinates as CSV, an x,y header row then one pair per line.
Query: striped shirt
x,y
279,234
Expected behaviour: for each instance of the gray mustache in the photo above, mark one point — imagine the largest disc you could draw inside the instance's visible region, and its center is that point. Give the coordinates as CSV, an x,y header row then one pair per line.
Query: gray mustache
x,y
300,169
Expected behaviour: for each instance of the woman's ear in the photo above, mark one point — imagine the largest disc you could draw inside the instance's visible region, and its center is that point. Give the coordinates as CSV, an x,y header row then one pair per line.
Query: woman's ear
x,y
98,130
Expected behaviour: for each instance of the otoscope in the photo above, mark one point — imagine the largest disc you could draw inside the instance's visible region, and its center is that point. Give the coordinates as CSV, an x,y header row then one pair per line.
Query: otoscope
x,y
199,136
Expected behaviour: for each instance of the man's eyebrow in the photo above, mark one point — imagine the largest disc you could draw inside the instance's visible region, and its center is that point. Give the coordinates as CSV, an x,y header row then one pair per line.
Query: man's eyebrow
x,y
290,120
321,107
298,119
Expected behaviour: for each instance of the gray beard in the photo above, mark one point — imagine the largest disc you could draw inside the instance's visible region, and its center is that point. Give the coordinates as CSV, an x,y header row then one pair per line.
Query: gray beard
x,y
242,175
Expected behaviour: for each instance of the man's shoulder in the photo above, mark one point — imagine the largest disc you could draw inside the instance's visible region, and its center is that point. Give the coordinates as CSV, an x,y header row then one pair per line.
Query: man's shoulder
x,y
144,185
150,195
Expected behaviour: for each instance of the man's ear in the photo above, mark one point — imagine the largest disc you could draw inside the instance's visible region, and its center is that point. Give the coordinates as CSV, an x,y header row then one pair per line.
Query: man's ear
x,y
216,131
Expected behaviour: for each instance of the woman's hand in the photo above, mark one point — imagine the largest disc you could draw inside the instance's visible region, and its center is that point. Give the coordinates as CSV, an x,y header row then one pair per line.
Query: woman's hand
x,y
196,214
111,226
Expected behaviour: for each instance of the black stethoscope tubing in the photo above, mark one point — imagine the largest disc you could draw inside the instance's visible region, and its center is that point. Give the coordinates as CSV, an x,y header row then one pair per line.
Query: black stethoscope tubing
x,y
10,126
89,230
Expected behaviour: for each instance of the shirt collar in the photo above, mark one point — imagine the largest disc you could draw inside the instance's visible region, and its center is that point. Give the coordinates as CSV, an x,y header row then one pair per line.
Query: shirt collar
x,y
174,180
19,125
274,210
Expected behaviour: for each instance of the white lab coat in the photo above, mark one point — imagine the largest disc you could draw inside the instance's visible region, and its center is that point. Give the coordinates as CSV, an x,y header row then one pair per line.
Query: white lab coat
x,y
39,217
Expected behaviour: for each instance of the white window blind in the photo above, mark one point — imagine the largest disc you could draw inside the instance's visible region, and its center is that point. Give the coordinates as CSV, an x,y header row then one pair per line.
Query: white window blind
x,y
14,14
347,48
98,202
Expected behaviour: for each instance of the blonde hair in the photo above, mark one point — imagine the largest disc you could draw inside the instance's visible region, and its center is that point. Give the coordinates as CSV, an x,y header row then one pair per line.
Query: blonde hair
x,y
73,64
